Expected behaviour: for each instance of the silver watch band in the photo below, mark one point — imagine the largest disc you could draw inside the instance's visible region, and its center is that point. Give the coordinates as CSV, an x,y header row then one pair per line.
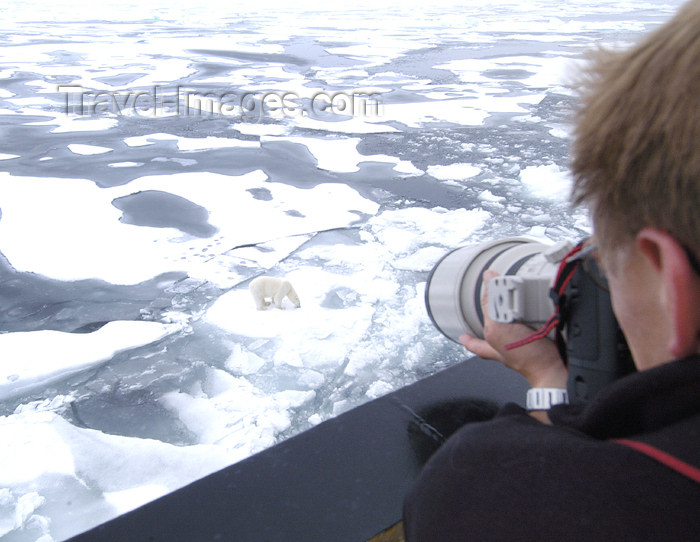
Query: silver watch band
x,y
545,398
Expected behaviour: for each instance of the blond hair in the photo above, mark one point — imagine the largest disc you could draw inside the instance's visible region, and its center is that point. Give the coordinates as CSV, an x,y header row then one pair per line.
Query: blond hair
x,y
636,150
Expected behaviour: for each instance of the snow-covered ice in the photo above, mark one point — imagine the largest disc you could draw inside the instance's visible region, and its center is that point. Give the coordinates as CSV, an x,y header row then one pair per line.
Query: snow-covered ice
x,y
33,359
155,159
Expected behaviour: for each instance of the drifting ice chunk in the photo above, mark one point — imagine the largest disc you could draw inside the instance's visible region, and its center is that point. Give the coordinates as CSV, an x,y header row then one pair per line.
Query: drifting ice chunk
x,y
34,358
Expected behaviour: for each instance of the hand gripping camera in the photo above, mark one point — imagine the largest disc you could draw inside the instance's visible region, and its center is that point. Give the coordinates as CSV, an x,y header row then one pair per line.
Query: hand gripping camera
x,y
556,289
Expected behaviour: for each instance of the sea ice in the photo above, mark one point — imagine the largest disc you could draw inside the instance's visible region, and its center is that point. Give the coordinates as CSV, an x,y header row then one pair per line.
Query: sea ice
x,y
548,181
454,172
109,249
33,359
76,148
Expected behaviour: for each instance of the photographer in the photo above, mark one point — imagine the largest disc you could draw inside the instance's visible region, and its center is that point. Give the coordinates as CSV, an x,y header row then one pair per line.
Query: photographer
x,y
626,465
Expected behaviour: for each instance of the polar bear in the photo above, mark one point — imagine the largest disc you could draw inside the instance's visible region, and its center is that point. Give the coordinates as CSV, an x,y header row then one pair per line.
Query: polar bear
x,y
262,288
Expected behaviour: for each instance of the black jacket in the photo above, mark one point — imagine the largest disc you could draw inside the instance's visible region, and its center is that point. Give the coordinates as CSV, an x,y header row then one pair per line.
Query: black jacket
x,y
513,478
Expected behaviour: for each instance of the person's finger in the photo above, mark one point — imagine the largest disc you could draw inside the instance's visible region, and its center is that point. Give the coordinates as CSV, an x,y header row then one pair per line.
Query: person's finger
x,y
479,347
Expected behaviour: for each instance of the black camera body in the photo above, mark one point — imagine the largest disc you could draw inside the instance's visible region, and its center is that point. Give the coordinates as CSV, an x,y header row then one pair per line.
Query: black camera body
x,y
544,286
596,350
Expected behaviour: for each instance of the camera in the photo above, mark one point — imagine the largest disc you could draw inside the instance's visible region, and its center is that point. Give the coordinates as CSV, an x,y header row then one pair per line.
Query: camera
x,y
557,289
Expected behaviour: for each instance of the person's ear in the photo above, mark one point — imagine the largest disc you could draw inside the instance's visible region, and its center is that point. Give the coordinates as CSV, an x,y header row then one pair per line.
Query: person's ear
x,y
680,288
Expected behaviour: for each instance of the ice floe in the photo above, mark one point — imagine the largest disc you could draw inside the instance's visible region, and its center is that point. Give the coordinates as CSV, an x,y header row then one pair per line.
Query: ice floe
x,y
33,359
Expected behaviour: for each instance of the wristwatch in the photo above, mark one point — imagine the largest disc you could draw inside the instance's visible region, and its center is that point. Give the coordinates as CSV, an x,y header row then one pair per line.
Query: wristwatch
x,y
545,398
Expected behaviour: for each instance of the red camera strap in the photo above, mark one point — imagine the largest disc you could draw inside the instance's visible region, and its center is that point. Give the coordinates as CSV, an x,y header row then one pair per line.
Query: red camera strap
x,y
566,271
671,461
